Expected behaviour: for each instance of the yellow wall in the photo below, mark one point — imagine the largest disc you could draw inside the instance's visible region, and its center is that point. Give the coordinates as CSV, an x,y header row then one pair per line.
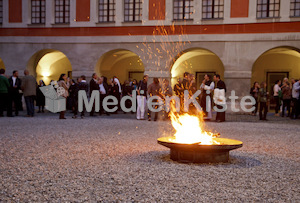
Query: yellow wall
x,y
2,66
119,63
277,60
196,60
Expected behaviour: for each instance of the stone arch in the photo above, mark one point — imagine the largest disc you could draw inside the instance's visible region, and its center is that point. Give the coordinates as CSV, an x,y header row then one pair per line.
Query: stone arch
x,y
122,63
48,64
197,61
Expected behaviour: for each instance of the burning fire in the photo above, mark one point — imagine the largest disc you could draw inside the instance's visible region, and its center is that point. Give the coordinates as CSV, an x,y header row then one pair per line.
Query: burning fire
x,y
189,130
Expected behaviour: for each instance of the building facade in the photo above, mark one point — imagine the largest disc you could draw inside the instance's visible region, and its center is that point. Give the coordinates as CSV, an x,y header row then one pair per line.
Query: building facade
x,y
242,40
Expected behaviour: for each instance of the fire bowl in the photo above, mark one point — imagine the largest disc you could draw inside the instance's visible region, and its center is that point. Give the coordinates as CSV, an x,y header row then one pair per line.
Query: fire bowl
x,y
198,153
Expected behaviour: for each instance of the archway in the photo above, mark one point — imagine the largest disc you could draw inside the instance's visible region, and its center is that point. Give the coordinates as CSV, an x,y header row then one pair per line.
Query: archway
x,y
2,66
122,63
197,61
276,64
48,64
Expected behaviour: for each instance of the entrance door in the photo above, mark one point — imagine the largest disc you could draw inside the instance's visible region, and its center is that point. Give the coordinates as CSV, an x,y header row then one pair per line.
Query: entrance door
x,y
272,77
138,75
200,77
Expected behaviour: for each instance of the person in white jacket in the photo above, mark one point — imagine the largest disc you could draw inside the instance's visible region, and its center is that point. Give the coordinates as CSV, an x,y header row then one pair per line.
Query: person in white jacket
x,y
207,87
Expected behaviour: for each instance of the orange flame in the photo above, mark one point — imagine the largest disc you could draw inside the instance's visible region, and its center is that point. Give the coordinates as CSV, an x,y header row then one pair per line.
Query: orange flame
x,y
189,130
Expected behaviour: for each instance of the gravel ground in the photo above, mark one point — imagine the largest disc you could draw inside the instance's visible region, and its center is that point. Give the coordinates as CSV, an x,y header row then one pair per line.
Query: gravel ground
x,y
117,158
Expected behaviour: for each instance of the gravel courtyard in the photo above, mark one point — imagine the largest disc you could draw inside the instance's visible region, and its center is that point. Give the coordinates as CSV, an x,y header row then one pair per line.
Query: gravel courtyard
x,y
117,158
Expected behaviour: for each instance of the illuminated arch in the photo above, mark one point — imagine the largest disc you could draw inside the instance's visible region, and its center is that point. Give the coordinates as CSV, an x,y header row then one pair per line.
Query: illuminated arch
x,y
48,64
121,63
196,61
2,66
278,59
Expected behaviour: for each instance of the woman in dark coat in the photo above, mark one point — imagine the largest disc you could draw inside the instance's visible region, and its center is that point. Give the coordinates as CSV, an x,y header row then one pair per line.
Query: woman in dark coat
x,y
40,98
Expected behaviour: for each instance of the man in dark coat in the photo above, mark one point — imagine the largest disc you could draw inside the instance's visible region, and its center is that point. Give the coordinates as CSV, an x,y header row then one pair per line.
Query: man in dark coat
x,y
220,85
94,85
82,85
14,93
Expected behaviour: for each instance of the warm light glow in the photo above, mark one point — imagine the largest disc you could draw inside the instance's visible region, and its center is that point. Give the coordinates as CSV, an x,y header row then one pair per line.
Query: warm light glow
x,y
189,130
120,62
45,73
50,65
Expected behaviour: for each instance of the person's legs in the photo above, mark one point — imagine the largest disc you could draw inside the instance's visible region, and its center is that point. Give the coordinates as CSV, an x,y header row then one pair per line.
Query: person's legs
x,y
9,104
139,103
284,104
260,110
32,105
3,99
265,110
219,116
277,104
27,101
294,101
256,107
288,106
297,110
144,107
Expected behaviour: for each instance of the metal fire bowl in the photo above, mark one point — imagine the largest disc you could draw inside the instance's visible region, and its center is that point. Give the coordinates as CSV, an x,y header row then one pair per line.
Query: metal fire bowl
x,y
197,153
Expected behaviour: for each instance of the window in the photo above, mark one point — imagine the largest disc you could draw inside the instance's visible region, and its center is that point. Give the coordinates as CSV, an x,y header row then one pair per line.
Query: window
x,y
133,10
1,11
106,10
295,8
213,9
38,11
268,8
183,9
62,11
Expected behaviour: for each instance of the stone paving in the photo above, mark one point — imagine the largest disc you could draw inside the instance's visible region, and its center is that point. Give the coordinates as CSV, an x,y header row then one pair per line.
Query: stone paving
x,y
117,158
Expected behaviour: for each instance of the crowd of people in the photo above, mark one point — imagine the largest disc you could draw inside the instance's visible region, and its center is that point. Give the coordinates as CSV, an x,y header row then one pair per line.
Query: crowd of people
x,y
285,95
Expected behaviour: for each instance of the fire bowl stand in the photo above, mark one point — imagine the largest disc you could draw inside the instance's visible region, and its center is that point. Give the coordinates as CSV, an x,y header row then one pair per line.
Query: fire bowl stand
x,y
195,153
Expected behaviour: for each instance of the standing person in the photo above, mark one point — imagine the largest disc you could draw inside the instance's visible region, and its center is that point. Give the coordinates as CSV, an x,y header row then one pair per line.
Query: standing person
x,y
277,90
178,88
263,101
4,86
295,100
64,83
286,98
142,98
119,93
179,91
221,86
127,91
14,93
40,98
29,86
134,84
94,85
82,85
73,92
104,91
254,93
166,90
115,92
207,88
185,81
154,89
